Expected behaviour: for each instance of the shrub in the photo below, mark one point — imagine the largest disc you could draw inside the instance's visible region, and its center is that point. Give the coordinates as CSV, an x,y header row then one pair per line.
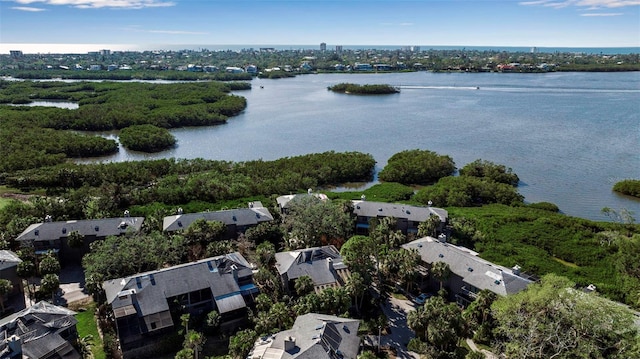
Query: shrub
x,y
146,138
628,187
417,167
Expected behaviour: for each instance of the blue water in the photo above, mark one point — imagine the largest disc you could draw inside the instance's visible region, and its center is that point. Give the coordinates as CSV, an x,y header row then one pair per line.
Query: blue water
x,y
568,136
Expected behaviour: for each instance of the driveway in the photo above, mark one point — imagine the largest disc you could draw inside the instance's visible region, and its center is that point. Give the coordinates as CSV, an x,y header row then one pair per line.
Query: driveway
x,y
396,311
71,285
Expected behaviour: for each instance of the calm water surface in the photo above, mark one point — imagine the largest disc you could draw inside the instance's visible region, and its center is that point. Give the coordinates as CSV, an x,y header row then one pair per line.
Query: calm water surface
x,y
568,136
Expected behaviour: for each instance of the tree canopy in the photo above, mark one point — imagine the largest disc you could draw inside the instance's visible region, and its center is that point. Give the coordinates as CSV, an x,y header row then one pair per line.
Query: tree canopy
x,y
552,319
417,167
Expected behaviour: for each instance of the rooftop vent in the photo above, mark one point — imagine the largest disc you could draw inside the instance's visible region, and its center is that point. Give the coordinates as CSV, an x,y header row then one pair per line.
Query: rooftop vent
x,y
64,230
36,232
48,218
234,218
470,269
179,224
180,211
127,213
441,255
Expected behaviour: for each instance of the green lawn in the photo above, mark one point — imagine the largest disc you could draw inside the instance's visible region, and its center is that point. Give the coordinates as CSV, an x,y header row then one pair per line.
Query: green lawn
x,y
87,326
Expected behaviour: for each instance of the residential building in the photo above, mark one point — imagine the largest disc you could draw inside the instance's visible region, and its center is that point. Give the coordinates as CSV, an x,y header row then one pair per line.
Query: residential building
x,y
146,305
14,300
237,220
469,273
52,236
42,331
323,264
313,336
323,46
362,67
251,69
408,218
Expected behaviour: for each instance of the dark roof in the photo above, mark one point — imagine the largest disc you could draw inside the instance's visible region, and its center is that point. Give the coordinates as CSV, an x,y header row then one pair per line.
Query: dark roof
x,y
8,259
252,215
38,328
104,227
312,262
148,292
396,210
313,336
466,264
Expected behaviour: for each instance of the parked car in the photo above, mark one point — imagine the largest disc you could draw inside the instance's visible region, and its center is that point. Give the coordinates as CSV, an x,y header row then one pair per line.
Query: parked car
x,y
420,299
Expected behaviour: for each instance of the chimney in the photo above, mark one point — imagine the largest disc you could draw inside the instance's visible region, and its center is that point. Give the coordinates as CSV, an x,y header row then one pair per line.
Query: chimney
x,y
330,264
48,218
289,343
15,345
180,210
234,272
516,270
442,238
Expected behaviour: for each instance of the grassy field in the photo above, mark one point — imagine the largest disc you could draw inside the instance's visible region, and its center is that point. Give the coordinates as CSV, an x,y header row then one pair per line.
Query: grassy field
x,y
87,326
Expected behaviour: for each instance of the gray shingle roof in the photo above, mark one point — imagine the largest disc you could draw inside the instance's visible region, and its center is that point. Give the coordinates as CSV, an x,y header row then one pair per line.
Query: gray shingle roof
x,y
152,289
37,328
104,227
241,217
313,336
396,210
466,264
8,259
312,262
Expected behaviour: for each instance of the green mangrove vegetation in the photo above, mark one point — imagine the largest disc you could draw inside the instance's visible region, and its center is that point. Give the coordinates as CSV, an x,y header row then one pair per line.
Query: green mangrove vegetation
x,y
629,187
417,167
146,138
34,137
363,89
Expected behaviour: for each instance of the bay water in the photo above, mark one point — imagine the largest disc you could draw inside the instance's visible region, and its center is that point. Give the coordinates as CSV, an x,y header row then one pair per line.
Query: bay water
x,y
569,136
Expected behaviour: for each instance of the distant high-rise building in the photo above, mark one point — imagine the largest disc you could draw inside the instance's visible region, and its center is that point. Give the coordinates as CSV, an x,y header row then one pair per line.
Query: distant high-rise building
x,y
339,48
323,46
534,50
415,48
15,53
105,52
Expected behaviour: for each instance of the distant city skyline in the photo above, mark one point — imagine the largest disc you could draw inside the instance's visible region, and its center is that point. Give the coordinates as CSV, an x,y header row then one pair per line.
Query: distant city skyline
x,y
80,26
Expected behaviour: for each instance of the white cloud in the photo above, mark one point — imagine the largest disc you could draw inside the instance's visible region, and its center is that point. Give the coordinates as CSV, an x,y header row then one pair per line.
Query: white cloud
x,y
603,14
589,4
28,8
98,4
137,28
406,24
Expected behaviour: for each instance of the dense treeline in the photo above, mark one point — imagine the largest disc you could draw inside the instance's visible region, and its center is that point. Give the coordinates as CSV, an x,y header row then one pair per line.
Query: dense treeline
x,y
32,136
180,181
363,89
124,75
146,138
628,187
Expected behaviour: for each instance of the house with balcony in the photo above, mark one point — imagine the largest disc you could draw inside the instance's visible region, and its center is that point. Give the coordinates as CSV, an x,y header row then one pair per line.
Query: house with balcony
x,y
469,273
314,336
323,264
237,220
408,218
53,235
42,331
147,306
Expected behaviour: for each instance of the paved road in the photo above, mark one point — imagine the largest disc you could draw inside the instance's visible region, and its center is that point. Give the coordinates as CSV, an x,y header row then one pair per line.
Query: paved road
x,y
396,311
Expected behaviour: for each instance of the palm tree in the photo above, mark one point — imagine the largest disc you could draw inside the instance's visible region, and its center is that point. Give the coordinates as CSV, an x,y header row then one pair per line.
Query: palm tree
x,y
441,272
417,321
84,346
50,283
357,288
194,341
304,285
26,270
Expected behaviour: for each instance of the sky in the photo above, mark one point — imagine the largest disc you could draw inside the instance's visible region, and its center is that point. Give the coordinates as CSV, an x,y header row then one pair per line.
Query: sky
x,y
57,26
